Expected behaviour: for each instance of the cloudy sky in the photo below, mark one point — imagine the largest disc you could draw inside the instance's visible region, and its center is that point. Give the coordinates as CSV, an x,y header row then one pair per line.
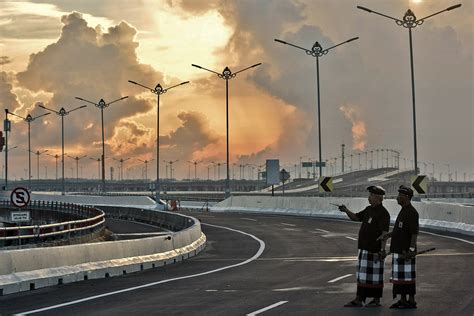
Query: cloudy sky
x,y
52,51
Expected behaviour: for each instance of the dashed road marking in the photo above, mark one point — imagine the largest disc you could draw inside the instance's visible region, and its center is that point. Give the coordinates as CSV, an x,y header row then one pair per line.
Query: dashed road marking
x,y
351,238
339,278
249,219
286,224
267,308
322,230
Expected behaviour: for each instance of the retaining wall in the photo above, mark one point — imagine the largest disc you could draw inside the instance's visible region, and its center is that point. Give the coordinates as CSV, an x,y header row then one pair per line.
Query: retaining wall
x,y
441,216
26,269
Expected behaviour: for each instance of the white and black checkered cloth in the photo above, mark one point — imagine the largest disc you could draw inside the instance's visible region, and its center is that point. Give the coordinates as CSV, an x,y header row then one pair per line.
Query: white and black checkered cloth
x,y
369,270
403,271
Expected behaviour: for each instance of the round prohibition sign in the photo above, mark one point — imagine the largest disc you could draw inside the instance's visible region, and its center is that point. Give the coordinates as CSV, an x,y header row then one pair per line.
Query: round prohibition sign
x,y
20,197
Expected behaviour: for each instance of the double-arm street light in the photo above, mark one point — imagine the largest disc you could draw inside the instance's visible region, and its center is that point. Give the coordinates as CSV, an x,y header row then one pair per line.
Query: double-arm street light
x,y
195,163
227,74
158,90
317,51
121,160
29,119
62,113
102,105
146,168
98,165
38,154
77,165
171,162
410,21
56,156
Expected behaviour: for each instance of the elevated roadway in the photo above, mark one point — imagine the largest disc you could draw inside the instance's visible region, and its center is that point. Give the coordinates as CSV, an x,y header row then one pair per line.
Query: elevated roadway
x,y
257,264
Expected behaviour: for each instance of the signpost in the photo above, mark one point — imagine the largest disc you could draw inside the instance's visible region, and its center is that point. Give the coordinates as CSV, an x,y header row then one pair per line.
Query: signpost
x,y
20,197
272,172
326,183
284,176
420,184
20,216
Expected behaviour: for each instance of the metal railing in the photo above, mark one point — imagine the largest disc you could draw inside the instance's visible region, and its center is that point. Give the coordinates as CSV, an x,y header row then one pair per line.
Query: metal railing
x,y
93,219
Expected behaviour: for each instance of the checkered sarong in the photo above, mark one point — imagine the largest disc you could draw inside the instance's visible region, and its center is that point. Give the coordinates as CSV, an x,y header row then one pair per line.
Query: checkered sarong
x,y
369,272
403,272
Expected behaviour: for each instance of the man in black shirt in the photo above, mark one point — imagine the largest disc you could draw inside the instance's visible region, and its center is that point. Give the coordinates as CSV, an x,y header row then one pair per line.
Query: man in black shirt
x,y
403,249
370,265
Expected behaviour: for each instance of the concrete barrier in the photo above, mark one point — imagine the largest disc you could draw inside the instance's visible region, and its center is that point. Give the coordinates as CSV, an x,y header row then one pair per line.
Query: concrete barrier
x,y
435,215
25,269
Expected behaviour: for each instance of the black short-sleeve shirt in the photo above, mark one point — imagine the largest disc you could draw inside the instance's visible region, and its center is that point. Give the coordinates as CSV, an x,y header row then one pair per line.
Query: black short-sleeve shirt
x,y
375,219
405,226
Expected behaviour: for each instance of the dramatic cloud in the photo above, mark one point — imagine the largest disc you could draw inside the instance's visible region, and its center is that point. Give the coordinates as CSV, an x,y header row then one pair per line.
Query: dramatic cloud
x,y
359,133
4,60
273,109
8,99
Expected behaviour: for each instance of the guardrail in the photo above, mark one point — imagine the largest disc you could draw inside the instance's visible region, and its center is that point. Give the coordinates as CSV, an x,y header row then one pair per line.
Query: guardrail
x,y
93,220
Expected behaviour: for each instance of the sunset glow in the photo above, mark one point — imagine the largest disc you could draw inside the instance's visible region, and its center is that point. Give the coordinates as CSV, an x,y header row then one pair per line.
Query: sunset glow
x,y
53,51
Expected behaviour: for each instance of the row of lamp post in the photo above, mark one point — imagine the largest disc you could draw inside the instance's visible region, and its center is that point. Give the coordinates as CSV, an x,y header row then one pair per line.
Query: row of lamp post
x,y
409,21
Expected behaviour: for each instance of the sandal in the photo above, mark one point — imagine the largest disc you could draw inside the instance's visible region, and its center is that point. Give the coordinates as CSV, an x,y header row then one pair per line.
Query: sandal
x,y
373,303
353,303
400,305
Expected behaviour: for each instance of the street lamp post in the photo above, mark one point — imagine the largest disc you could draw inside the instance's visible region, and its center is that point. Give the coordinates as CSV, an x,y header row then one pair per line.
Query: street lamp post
x,y
146,168
171,162
158,90
77,165
62,113
98,165
56,158
410,21
6,129
102,105
121,160
37,153
317,51
195,163
226,74
29,119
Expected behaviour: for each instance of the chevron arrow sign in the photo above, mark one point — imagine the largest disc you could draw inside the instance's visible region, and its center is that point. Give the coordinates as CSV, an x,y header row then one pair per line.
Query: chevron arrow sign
x,y
419,183
326,183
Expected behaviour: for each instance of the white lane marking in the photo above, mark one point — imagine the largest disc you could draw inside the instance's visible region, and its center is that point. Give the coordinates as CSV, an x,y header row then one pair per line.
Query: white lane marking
x,y
286,224
212,290
267,308
299,288
249,219
455,238
322,230
351,238
339,278
292,229
90,298
320,260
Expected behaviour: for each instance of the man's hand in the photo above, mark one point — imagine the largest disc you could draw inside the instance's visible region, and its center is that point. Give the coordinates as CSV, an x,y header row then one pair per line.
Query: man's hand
x,y
384,237
382,255
342,208
410,254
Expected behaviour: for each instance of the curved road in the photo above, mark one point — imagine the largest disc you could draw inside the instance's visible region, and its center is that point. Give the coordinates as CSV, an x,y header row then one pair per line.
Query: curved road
x,y
306,268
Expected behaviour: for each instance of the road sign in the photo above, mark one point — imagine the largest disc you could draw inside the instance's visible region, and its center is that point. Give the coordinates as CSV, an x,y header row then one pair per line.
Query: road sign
x,y
284,175
20,197
320,164
326,183
420,184
273,171
306,164
20,216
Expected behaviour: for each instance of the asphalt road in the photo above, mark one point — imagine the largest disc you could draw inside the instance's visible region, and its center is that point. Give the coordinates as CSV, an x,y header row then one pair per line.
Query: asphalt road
x,y
306,268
